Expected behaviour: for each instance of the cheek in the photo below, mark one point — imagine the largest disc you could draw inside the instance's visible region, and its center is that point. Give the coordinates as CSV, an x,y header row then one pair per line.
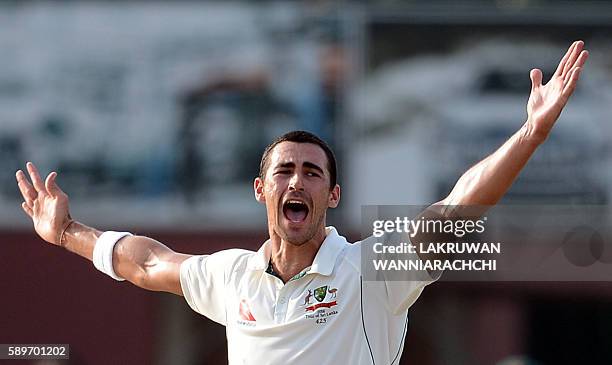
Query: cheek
x,y
272,196
274,185
269,188
322,202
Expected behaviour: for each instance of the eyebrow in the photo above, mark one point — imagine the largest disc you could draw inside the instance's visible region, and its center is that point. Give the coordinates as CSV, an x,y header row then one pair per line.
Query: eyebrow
x,y
307,164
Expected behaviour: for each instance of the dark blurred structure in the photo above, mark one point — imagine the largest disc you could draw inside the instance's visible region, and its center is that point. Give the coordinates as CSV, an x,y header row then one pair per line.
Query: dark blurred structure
x,y
248,105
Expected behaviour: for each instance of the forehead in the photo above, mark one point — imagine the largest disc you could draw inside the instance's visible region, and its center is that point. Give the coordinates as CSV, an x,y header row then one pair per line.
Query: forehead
x,y
298,153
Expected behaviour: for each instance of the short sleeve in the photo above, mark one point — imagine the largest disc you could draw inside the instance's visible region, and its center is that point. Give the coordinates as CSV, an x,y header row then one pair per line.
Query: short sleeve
x,y
203,281
402,287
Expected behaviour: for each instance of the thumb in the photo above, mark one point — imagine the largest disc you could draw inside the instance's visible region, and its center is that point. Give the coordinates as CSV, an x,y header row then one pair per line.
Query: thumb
x,y
51,185
536,78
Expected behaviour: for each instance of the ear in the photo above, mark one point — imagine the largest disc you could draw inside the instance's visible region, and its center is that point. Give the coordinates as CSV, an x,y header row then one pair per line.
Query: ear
x,y
334,197
258,187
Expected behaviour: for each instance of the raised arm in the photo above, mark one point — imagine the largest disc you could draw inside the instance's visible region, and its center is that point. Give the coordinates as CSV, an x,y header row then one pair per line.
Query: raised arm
x,y
484,184
487,181
140,260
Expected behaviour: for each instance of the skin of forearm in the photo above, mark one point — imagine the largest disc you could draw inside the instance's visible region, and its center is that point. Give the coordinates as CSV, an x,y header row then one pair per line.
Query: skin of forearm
x,y
135,258
487,181
482,185
80,239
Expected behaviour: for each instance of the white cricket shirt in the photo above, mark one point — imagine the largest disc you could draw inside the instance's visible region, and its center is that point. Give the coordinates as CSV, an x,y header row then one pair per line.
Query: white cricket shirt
x,y
325,315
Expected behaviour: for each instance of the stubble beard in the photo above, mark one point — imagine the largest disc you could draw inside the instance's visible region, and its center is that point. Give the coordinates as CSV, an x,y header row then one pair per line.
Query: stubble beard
x,y
299,239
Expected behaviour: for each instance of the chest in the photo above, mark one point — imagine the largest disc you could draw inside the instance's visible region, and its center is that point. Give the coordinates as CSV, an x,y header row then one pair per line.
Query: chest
x,y
312,301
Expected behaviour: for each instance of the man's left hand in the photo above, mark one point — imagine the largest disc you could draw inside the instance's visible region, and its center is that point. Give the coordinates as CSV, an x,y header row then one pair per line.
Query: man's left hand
x,y
547,101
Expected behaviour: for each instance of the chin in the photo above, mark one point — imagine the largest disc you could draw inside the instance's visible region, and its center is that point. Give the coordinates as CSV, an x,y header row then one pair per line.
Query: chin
x,y
296,237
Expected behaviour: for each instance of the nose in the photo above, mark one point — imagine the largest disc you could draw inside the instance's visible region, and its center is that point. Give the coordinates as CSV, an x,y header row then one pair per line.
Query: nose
x,y
296,182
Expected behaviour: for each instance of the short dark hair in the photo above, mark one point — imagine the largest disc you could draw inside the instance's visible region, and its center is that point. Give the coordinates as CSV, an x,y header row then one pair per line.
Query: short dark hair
x,y
301,137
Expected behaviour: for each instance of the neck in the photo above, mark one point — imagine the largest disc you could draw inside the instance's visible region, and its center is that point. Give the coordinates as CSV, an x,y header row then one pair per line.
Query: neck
x,y
289,259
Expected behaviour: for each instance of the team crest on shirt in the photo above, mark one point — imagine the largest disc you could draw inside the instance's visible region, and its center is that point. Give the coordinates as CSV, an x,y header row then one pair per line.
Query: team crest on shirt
x,y
317,308
320,293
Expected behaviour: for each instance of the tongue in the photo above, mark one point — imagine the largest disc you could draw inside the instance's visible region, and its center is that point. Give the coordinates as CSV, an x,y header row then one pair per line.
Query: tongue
x,y
296,215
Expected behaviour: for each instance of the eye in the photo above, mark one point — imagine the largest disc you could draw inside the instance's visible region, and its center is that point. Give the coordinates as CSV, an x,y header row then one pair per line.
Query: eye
x,y
313,174
281,172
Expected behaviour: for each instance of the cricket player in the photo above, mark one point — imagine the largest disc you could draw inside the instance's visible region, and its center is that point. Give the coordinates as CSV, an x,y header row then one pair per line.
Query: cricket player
x,y
301,298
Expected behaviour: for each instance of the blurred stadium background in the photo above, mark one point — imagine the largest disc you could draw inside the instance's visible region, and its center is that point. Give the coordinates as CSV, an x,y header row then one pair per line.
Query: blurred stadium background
x,y
155,115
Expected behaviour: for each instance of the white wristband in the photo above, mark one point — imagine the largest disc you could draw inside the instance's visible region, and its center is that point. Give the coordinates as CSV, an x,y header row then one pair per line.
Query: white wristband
x,y
103,252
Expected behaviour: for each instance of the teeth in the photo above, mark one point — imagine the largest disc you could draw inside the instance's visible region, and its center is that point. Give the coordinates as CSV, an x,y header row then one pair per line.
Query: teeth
x,y
294,202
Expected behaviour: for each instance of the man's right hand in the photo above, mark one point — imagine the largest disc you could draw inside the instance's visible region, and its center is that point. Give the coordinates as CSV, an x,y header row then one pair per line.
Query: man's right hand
x,y
45,203
141,260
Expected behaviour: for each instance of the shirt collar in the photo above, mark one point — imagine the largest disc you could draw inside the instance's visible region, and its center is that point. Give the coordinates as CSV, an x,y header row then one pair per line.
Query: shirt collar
x,y
323,262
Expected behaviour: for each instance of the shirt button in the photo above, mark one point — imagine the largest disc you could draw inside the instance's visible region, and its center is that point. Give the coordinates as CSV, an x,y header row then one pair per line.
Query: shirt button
x,y
282,300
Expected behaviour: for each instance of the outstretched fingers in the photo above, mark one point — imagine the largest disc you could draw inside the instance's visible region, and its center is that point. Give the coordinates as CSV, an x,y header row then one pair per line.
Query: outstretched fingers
x,y
568,60
573,57
571,79
570,85
563,61
580,61
27,209
27,190
52,188
36,179
536,78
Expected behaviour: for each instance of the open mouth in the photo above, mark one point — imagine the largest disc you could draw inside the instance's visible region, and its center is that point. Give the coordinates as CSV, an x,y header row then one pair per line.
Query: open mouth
x,y
296,211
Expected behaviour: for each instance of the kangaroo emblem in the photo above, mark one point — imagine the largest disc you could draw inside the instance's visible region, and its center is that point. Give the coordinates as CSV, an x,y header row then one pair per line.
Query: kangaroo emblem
x,y
307,298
